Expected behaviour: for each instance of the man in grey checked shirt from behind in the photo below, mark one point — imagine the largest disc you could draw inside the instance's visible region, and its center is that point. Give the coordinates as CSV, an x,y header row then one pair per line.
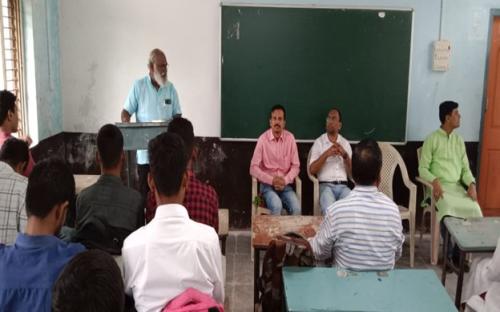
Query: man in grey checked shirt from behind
x,y
14,158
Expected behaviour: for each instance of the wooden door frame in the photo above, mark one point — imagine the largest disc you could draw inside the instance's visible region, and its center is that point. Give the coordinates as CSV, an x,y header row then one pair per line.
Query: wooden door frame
x,y
493,13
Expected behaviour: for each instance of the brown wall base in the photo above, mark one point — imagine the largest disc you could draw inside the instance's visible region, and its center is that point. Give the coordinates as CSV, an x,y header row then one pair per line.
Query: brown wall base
x,y
225,166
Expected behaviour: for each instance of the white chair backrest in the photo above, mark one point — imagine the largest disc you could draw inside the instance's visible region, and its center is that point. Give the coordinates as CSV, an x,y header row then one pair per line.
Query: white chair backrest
x,y
419,153
309,174
390,160
314,180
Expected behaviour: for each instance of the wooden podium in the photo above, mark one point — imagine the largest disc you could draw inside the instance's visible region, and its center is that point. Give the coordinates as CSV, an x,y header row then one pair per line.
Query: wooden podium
x,y
136,136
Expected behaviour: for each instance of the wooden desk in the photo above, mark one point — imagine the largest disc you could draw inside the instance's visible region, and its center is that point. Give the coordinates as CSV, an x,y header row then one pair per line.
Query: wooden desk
x,y
83,181
471,235
325,289
266,227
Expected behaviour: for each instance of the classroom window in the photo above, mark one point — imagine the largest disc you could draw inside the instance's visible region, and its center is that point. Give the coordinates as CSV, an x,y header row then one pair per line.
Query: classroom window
x,y
11,66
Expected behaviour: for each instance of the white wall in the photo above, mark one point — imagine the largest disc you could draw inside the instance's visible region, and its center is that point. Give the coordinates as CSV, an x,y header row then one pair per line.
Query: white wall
x,y
105,44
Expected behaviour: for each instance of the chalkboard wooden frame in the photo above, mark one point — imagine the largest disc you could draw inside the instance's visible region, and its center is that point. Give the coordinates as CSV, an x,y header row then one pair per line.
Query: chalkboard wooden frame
x,y
382,121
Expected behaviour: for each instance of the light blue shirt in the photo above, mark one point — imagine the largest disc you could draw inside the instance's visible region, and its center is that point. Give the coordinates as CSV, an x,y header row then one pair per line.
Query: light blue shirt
x,y
149,104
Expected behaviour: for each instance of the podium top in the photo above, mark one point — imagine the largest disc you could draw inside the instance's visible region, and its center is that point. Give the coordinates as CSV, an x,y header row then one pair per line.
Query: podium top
x,y
142,124
136,135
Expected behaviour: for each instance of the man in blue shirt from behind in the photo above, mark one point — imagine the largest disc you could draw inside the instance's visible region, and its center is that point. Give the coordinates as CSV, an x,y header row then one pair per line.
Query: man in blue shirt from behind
x,y
29,268
152,98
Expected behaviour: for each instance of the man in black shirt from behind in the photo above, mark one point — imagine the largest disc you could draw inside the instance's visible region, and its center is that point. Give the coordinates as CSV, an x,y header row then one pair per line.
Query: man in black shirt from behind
x,y
107,211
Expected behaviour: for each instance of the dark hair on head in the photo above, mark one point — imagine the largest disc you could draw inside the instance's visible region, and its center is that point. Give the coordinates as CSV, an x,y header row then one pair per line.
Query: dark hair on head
x,y
91,281
445,109
278,107
7,103
366,162
14,151
109,145
50,183
183,128
338,111
167,161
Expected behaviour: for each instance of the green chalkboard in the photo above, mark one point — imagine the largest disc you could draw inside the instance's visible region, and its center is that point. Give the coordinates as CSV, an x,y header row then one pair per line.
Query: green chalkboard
x,y
311,59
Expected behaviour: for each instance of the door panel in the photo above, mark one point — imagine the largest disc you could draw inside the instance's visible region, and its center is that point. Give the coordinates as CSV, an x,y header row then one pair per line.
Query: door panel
x,y
493,182
489,170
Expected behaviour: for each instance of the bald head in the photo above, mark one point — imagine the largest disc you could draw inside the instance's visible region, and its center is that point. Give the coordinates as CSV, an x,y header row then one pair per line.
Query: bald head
x,y
158,67
154,55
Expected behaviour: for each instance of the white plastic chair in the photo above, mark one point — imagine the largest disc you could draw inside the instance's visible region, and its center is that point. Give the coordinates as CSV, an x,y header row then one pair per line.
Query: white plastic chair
x,y
315,181
223,228
431,209
223,233
258,210
390,160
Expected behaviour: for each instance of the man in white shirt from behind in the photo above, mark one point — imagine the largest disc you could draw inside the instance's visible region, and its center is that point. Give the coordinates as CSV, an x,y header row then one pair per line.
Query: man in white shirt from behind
x,y
172,252
331,161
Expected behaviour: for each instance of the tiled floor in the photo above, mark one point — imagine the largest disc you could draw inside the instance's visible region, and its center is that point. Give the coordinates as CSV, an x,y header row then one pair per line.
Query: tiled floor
x,y
239,269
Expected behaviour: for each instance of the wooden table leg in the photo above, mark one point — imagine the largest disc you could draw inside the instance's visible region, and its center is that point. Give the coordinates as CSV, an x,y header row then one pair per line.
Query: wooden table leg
x,y
445,254
458,293
256,271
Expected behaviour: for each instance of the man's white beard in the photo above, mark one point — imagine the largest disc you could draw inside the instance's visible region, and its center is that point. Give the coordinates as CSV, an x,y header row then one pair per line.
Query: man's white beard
x,y
162,81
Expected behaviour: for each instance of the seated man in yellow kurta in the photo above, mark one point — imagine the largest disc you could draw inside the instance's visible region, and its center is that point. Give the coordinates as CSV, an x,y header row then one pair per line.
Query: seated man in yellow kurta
x,y
444,162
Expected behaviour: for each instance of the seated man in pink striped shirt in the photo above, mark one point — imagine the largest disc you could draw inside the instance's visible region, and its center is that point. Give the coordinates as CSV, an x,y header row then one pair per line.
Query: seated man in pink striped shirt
x,y
275,164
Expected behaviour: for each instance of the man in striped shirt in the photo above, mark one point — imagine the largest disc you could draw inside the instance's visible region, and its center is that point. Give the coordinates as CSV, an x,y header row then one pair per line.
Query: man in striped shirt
x,y
363,231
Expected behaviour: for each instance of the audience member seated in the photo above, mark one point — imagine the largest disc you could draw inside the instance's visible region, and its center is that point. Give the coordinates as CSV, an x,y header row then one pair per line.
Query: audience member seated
x,y
364,229
331,161
171,253
444,162
108,211
91,281
9,123
490,303
201,200
14,157
275,164
29,268
484,277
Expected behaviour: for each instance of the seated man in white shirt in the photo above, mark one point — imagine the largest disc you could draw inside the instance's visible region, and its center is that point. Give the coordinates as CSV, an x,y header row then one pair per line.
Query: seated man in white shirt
x,y
172,252
331,161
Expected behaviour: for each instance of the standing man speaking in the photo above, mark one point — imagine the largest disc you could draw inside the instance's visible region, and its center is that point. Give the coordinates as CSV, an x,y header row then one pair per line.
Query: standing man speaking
x,y
151,98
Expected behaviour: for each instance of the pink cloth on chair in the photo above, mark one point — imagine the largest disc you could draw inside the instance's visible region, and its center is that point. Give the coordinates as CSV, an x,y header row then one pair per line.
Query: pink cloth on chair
x,y
192,300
